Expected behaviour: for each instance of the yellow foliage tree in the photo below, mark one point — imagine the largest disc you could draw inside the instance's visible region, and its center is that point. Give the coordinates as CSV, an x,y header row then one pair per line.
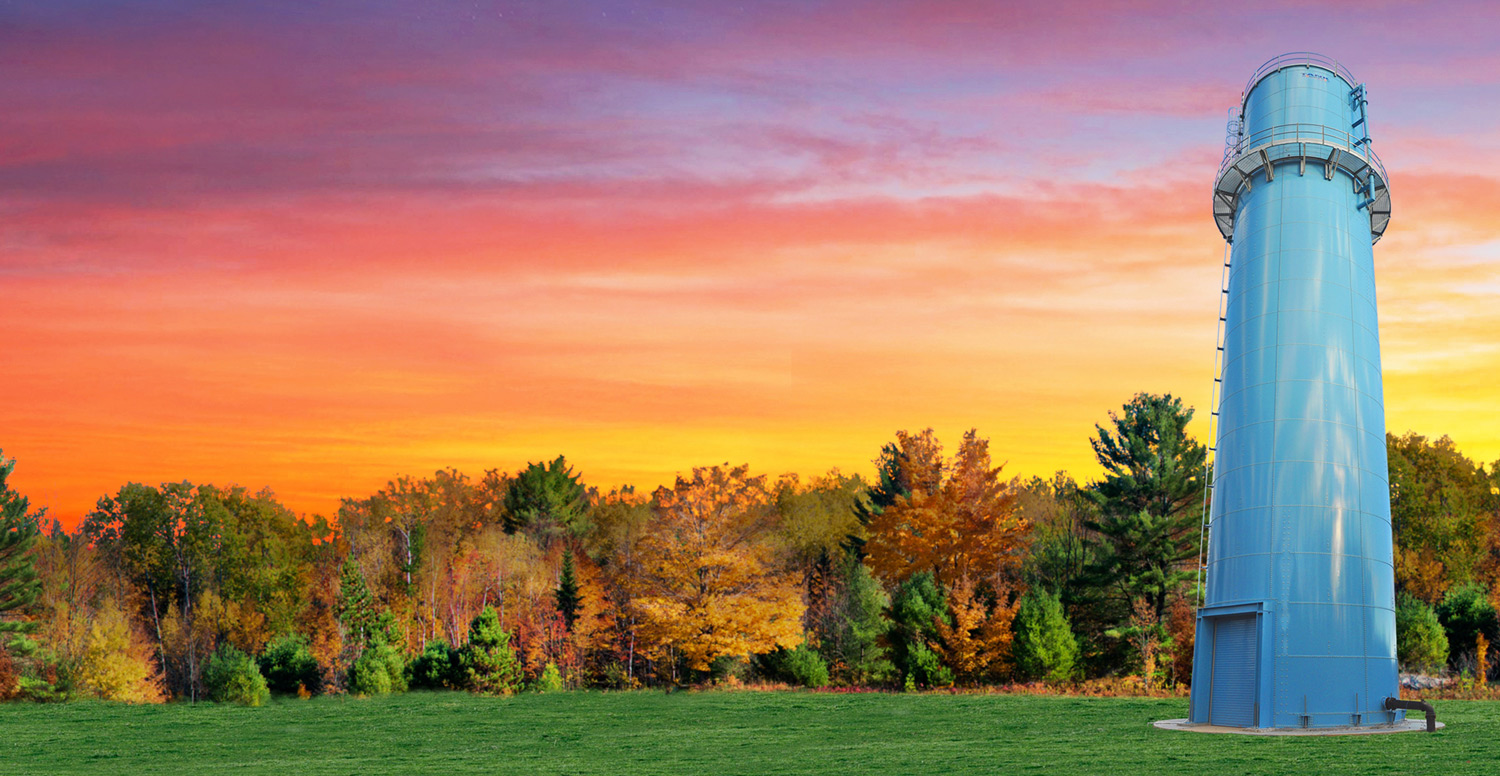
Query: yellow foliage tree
x,y
709,582
1420,574
963,526
117,663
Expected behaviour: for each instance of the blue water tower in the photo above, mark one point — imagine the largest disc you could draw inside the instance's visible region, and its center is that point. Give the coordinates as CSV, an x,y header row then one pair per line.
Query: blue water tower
x,y
1298,627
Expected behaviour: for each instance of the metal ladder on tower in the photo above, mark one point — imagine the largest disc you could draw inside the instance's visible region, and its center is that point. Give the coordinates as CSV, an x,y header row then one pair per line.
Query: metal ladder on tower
x,y
1234,130
1359,100
1205,528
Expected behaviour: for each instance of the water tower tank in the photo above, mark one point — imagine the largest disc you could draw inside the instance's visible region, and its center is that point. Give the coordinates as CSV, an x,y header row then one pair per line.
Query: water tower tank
x,y
1298,627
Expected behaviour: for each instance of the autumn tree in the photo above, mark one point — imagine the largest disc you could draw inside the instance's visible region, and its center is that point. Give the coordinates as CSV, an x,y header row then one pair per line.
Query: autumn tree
x,y
709,584
1147,635
1149,502
1443,513
260,564
117,663
1060,549
961,526
620,520
77,590
976,643
167,540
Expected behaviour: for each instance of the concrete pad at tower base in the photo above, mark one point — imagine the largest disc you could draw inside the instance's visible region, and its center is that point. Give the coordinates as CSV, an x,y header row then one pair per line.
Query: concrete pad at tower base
x,y
1405,726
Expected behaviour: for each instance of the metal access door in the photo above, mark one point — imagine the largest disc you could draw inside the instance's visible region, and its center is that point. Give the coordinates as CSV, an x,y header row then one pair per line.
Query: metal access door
x,y
1231,699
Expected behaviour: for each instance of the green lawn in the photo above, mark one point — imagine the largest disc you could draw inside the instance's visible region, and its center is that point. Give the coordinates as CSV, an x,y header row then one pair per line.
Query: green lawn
x,y
705,733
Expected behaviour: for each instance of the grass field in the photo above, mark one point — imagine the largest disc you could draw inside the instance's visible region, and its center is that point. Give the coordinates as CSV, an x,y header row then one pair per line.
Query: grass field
x,y
705,733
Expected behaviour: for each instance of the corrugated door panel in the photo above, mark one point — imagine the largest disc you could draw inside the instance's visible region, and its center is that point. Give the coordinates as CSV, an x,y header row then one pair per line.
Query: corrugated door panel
x,y
1232,691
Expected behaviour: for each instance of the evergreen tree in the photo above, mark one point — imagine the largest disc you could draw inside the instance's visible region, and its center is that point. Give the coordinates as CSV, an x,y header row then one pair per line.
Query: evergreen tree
x,y
547,499
853,642
916,609
1044,647
1149,502
19,586
356,604
1421,643
490,664
568,598
887,488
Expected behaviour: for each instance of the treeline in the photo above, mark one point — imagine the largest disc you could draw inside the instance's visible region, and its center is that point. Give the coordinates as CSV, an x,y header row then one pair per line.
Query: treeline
x,y
939,572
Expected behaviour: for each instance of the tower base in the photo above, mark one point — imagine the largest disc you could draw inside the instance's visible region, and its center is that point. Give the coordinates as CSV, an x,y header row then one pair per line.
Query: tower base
x,y
1402,726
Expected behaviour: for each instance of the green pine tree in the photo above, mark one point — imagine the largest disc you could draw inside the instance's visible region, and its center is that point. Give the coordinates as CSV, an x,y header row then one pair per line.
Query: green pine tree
x,y
19,586
916,609
356,604
879,497
1149,502
855,639
547,499
489,663
569,601
1044,647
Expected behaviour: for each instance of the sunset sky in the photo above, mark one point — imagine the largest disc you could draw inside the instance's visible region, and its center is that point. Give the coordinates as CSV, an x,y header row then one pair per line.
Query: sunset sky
x,y
314,246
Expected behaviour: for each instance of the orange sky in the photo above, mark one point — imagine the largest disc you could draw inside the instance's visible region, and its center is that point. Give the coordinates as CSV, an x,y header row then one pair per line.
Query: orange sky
x,y
313,251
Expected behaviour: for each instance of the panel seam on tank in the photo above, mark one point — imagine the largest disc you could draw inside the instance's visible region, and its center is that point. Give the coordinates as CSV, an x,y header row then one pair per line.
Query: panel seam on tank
x,y
1298,310
1318,420
1375,515
1248,386
1246,321
1309,552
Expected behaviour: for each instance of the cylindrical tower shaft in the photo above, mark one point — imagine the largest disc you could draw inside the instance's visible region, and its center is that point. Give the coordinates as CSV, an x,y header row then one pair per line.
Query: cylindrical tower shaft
x,y
1298,623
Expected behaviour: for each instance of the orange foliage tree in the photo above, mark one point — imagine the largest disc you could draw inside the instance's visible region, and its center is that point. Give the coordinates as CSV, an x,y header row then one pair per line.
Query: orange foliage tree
x,y
963,526
709,583
977,644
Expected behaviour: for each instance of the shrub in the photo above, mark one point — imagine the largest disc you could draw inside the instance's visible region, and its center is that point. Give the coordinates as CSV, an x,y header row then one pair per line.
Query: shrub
x,y
379,670
1465,613
1421,642
551,679
1044,646
438,668
730,670
490,666
231,676
801,666
926,669
289,666
116,664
